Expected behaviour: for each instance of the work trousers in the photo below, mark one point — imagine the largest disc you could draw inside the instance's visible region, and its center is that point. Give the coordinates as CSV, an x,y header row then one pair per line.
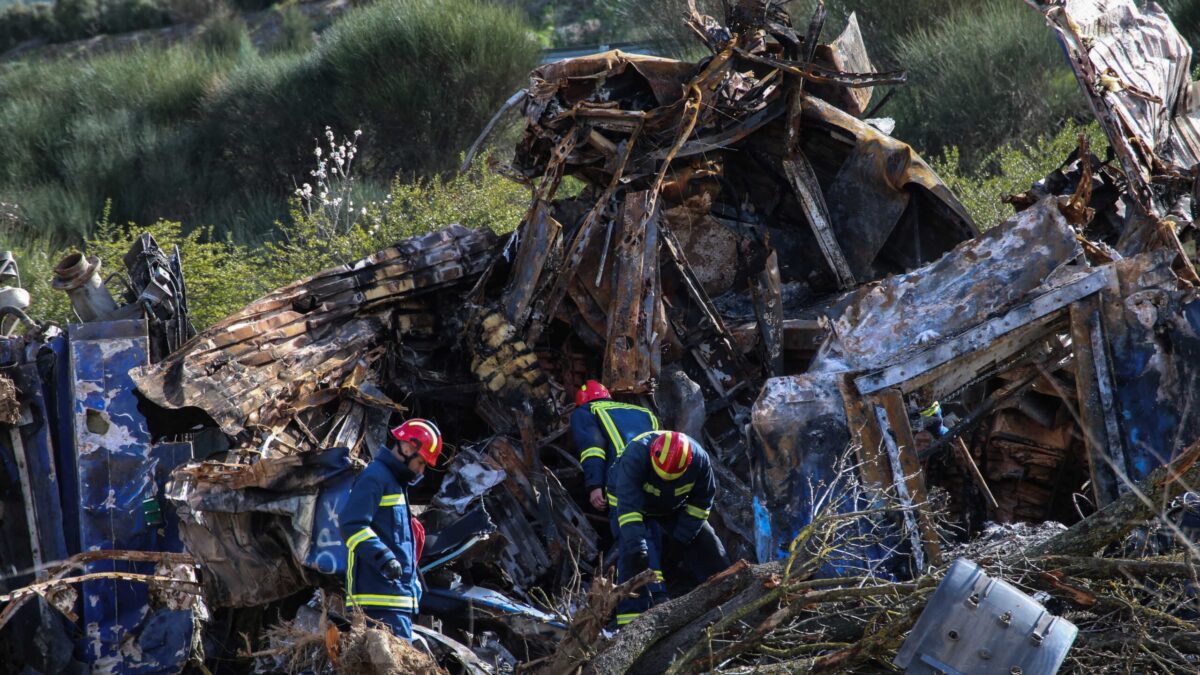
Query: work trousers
x,y
400,622
703,557
649,595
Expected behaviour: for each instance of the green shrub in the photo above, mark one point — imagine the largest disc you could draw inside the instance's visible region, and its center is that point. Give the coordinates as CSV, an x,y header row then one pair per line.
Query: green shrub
x,y
983,78
21,22
1011,169
214,133
76,18
319,235
225,33
295,30
122,16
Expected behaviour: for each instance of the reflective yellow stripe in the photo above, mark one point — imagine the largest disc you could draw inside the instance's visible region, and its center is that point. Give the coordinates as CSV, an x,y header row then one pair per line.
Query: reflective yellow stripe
x,y
634,517
934,409
623,619
614,436
352,543
697,512
651,489
359,537
658,576
392,500
684,489
597,453
643,435
398,601
612,499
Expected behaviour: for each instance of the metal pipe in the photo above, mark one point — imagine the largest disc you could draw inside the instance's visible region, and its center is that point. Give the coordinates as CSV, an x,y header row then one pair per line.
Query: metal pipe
x,y
80,278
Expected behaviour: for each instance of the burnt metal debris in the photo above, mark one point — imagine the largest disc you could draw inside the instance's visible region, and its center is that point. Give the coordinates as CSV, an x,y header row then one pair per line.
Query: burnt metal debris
x,y
884,388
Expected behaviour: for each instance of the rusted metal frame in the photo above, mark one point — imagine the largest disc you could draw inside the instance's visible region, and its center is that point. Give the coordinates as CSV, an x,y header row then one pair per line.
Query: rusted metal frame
x,y
804,183
914,371
820,75
768,306
1085,320
696,291
578,246
908,475
18,446
512,102
625,367
533,257
729,136
873,466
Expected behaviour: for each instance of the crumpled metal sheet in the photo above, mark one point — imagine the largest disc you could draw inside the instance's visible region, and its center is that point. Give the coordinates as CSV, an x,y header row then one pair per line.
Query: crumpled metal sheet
x,y
308,337
886,320
1132,63
255,528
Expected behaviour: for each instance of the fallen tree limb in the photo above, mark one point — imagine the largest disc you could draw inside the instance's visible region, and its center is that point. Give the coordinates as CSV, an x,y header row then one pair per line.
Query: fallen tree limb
x,y
1111,523
584,630
57,571
635,639
1116,568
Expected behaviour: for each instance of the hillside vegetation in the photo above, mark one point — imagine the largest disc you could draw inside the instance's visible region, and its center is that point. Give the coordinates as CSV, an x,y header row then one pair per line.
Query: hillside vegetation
x,y
212,132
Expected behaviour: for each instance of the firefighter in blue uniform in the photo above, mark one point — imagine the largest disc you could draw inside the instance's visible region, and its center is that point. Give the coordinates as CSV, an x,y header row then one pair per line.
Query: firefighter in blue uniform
x,y
601,428
665,488
381,566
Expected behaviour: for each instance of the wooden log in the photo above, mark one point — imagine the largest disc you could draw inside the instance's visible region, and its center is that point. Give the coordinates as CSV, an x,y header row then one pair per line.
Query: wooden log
x,y
662,621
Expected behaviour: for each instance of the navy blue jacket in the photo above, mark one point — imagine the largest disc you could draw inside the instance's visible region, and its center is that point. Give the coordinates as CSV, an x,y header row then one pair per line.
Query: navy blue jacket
x,y
375,524
601,430
642,494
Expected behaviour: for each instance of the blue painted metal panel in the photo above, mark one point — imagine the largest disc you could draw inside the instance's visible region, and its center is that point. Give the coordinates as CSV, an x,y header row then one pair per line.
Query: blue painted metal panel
x,y
38,457
1156,369
327,553
116,474
54,363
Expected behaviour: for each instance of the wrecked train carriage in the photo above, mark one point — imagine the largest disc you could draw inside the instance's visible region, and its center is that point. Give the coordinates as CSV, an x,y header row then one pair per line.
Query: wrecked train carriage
x,y
1068,375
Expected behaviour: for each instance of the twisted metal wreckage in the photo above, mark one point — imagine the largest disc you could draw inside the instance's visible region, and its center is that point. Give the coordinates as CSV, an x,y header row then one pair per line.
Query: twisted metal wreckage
x,y
752,254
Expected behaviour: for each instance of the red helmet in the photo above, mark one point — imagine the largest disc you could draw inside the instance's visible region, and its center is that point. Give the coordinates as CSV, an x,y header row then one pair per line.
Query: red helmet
x,y
671,453
423,434
591,391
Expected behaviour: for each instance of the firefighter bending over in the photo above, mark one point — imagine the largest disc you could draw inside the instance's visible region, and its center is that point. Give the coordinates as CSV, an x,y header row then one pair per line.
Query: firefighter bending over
x,y
665,488
601,428
381,568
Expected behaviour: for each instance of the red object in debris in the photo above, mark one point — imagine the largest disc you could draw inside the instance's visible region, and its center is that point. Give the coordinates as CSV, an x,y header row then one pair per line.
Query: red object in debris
x,y
591,391
423,434
418,531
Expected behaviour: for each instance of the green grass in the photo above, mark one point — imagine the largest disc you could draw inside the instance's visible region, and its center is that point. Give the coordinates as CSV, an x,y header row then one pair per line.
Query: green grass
x,y
213,133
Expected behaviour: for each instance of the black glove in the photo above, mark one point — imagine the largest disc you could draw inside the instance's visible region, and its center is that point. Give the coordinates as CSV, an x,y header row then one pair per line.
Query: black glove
x,y
392,570
639,560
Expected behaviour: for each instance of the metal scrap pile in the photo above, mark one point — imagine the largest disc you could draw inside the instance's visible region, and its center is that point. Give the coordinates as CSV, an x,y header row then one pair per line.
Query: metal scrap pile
x,y
753,256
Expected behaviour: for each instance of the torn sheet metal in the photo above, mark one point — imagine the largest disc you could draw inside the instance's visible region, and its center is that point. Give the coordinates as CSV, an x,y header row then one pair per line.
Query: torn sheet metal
x,y
888,320
522,619
261,531
1135,69
307,338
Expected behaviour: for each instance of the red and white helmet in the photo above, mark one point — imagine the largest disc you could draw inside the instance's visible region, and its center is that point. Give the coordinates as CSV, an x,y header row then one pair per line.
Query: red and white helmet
x,y
671,454
591,391
423,434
